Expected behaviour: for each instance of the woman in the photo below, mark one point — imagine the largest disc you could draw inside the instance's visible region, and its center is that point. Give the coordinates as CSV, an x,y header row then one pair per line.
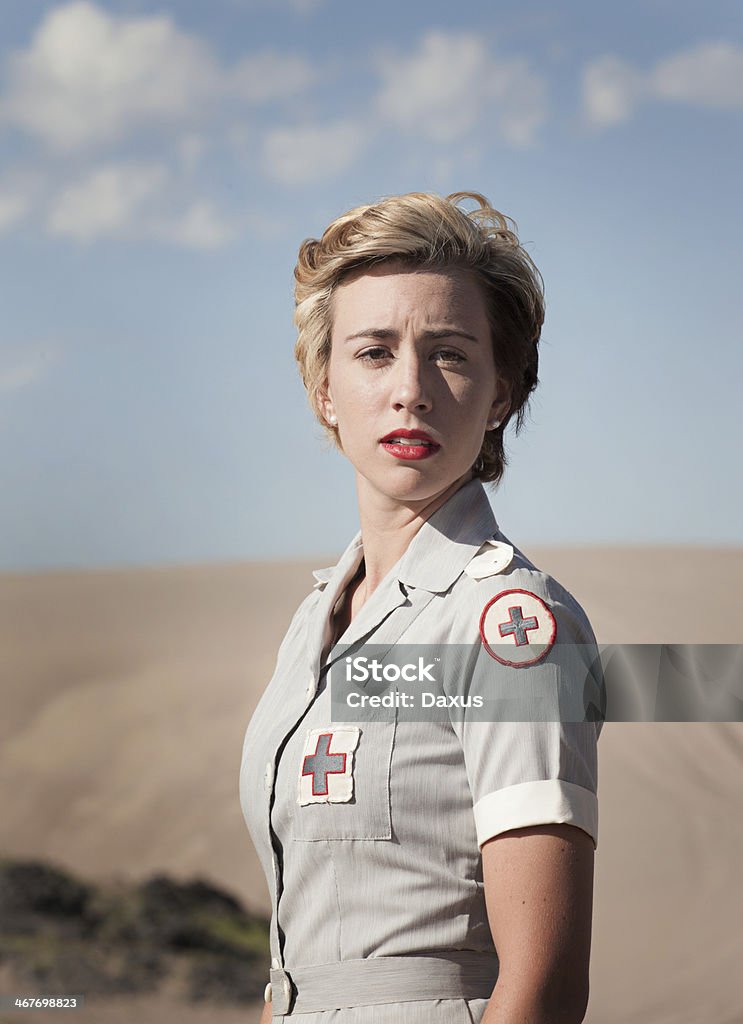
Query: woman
x,y
401,854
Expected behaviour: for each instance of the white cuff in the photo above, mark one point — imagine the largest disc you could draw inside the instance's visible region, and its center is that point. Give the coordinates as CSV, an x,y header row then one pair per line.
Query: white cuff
x,y
537,803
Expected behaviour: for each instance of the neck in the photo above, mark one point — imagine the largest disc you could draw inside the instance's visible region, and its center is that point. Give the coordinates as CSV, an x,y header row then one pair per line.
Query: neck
x,y
388,526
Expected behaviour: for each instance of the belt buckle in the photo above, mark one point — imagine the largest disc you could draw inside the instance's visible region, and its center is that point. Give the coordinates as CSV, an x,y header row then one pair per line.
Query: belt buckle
x,y
283,991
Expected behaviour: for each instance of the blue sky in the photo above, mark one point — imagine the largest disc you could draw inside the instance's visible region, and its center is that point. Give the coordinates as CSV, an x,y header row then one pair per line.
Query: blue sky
x,y
161,163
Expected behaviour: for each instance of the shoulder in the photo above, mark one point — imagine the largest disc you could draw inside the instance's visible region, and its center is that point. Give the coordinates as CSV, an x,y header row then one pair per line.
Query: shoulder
x,y
501,591
525,639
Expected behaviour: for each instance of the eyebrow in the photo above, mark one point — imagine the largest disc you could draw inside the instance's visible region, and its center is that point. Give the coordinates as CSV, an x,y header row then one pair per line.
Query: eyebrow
x,y
385,333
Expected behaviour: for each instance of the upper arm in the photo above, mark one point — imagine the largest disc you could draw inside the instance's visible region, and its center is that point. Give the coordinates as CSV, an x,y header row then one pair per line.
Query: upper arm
x,y
531,759
539,896
530,745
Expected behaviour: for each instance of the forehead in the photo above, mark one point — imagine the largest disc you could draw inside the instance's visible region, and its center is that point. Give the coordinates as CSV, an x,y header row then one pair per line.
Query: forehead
x,y
390,290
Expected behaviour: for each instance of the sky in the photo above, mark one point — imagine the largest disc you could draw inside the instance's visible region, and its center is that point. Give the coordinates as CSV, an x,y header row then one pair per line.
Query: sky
x,y
160,163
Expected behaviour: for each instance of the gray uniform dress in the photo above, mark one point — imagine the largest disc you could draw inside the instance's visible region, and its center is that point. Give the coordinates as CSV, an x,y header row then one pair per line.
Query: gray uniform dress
x,y
370,833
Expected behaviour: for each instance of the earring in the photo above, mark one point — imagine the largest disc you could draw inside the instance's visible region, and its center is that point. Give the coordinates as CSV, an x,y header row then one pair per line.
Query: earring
x,y
493,424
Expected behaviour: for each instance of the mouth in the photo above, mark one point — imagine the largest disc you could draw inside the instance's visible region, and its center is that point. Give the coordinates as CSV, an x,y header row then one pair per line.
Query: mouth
x,y
409,439
409,445
412,442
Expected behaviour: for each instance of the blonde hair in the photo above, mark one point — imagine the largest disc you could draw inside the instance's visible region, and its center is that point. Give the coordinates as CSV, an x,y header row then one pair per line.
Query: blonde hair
x,y
424,230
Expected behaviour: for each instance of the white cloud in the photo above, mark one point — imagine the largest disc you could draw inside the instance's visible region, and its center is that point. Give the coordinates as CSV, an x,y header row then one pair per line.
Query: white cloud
x,y
133,200
13,207
611,88
450,88
453,85
708,75
312,152
522,108
109,202
300,6
200,227
191,147
90,77
263,77
22,368
21,192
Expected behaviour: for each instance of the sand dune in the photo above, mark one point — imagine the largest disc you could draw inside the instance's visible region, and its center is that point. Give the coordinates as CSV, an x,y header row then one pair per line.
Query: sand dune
x,y
126,695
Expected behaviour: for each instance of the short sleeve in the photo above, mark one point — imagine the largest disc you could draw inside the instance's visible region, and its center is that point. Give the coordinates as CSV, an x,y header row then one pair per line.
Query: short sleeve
x,y
530,745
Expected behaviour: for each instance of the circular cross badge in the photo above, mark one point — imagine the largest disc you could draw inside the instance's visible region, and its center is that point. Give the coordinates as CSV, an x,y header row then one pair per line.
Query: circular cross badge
x,y
517,628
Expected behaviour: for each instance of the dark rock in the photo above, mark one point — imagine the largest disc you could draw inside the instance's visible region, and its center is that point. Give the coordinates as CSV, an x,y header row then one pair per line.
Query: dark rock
x,y
62,935
35,887
226,979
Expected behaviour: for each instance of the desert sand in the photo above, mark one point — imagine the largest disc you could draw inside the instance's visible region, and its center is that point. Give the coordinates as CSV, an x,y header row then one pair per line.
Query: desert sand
x,y
126,694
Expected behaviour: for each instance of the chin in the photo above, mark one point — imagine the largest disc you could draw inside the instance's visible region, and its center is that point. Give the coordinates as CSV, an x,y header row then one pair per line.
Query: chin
x,y
411,482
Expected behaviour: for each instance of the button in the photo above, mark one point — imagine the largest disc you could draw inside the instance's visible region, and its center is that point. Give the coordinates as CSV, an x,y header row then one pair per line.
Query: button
x,y
268,993
282,992
286,990
275,963
268,777
493,558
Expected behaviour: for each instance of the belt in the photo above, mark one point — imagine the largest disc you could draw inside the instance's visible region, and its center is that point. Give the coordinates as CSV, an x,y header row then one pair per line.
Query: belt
x,y
451,974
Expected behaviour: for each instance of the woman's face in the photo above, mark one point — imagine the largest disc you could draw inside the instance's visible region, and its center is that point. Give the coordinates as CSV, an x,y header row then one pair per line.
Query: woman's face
x,y
411,350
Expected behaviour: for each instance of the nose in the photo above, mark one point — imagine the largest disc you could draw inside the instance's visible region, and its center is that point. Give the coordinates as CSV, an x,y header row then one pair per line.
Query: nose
x,y
410,386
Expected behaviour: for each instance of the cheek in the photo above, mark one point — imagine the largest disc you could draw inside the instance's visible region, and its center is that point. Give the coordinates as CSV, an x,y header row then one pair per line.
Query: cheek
x,y
354,391
470,394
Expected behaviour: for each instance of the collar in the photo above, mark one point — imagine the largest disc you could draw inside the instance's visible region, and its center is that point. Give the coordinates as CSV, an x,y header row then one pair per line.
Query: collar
x,y
446,542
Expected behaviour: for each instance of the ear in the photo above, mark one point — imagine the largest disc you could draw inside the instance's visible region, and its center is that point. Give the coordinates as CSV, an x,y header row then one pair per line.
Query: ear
x,y
501,404
326,401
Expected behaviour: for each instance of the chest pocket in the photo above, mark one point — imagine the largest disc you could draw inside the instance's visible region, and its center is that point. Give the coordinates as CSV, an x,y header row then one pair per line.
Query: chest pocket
x,y
348,800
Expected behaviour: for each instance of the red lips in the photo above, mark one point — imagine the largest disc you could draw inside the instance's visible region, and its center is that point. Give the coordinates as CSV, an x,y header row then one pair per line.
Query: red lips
x,y
419,435
420,445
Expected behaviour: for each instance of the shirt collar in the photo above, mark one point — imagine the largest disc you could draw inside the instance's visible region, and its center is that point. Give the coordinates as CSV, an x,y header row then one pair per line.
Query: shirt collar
x,y
441,548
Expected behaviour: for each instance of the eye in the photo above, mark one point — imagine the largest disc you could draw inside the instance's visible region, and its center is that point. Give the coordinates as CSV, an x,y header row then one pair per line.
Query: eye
x,y
449,356
374,355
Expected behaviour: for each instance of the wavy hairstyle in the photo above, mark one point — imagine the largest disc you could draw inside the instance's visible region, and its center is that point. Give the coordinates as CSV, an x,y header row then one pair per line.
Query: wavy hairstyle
x,y
424,230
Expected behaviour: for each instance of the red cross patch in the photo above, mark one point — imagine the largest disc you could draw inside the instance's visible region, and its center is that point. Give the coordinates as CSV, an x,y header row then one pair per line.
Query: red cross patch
x,y
517,628
326,769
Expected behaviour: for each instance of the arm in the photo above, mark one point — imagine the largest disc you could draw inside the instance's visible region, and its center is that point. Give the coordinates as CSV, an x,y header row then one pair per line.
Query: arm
x,y
539,895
